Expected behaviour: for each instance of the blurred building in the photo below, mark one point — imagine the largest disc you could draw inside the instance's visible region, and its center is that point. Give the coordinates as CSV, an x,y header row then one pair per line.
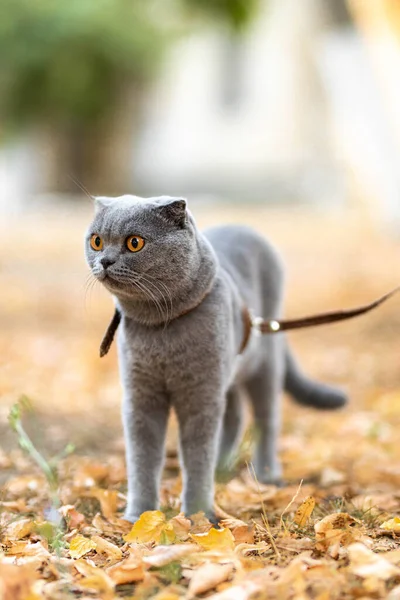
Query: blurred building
x,y
300,108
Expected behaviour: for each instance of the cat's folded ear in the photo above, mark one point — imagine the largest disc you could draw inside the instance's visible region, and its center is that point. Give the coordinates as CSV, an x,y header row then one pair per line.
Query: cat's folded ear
x,y
174,210
101,202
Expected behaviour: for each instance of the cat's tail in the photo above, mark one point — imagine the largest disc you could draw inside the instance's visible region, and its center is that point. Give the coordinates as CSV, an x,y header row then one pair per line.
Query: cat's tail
x,y
308,392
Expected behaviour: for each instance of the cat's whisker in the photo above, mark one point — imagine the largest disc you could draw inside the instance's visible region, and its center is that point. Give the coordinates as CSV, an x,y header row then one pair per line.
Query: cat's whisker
x,y
128,277
167,290
132,278
89,286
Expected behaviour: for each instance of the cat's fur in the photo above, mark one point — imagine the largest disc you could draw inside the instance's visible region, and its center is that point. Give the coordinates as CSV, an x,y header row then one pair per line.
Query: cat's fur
x,y
191,361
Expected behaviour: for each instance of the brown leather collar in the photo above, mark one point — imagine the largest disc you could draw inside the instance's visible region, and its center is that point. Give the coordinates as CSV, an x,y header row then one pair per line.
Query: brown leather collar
x,y
115,321
263,326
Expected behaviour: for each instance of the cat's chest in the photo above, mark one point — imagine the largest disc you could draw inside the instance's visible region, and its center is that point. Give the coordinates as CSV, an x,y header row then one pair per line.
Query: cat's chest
x,y
187,344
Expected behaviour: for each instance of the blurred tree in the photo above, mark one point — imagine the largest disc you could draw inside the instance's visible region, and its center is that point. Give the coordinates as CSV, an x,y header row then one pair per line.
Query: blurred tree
x,y
77,72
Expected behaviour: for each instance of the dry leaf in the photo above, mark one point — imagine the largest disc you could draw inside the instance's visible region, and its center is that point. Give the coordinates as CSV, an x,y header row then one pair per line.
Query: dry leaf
x,y
111,527
129,570
94,578
336,530
18,486
105,547
17,530
28,549
215,539
17,582
73,518
162,555
242,532
304,512
107,499
149,528
365,563
392,525
89,475
200,523
245,590
207,577
181,527
80,545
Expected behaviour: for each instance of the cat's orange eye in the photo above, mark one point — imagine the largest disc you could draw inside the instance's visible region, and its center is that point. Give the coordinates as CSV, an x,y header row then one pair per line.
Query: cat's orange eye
x,y
134,243
96,242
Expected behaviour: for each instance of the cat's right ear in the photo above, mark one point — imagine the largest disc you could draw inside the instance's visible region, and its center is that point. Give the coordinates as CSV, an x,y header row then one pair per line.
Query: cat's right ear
x,y
102,202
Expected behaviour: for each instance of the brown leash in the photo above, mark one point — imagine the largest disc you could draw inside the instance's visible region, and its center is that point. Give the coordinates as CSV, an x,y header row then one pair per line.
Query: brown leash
x,y
265,326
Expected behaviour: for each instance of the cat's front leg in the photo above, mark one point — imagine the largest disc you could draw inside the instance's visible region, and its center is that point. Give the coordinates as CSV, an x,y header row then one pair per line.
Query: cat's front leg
x,y
200,414
145,415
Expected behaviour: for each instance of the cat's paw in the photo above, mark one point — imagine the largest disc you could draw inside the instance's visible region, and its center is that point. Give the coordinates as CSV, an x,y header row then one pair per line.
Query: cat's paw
x,y
270,477
131,517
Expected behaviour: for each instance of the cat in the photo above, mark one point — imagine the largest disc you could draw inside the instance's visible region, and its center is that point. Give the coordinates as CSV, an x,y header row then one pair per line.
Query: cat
x,y
181,294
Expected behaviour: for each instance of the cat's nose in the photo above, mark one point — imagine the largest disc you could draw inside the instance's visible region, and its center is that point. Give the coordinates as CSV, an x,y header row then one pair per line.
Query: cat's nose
x,y
107,262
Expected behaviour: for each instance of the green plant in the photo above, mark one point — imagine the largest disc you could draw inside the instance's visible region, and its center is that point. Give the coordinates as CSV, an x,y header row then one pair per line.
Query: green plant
x,y
67,60
51,529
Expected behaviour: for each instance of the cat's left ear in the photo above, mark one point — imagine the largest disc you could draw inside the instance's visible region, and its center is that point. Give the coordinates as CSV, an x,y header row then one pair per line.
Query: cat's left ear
x,y
174,210
101,202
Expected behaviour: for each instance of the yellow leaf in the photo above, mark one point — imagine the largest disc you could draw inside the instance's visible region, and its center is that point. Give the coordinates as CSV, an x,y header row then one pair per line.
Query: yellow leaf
x,y
94,578
392,524
105,547
129,570
304,511
80,545
241,531
107,499
148,528
215,539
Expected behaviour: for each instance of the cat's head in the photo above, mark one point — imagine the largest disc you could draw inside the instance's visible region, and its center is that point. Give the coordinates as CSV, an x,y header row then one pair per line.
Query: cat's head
x,y
143,248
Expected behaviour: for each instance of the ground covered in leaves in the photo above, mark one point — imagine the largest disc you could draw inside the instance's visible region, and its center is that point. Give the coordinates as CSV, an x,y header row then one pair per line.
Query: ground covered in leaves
x,y
331,532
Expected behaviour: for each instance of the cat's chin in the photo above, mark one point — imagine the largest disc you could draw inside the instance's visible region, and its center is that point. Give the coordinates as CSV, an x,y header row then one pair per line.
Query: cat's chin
x,y
118,289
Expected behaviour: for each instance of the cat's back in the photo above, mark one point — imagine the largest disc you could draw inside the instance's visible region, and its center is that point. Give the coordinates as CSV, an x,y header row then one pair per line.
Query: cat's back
x,y
252,262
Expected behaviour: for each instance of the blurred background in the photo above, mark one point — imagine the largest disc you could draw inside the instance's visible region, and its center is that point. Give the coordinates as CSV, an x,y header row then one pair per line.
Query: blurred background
x,y
281,114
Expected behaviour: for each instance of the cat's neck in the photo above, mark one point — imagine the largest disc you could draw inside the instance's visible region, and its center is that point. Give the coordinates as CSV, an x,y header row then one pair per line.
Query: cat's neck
x,y
175,299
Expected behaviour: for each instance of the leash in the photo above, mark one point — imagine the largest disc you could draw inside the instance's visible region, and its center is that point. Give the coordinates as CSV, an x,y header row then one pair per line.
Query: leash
x,y
267,326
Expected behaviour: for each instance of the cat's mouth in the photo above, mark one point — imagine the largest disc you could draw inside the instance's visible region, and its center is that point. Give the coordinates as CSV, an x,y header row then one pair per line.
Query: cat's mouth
x,y
117,286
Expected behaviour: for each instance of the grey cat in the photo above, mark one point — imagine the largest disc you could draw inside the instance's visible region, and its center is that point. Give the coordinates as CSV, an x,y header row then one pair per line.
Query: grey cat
x,y
181,294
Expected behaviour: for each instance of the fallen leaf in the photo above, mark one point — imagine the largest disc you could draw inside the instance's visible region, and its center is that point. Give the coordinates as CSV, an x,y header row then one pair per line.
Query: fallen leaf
x,y
148,528
243,591
105,547
80,545
18,486
215,539
162,555
107,499
73,518
181,527
200,523
28,549
392,524
129,570
90,474
336,530
16,582
17,530
111,527
166,595
365,563
207,577
94,578
242,532
304,512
